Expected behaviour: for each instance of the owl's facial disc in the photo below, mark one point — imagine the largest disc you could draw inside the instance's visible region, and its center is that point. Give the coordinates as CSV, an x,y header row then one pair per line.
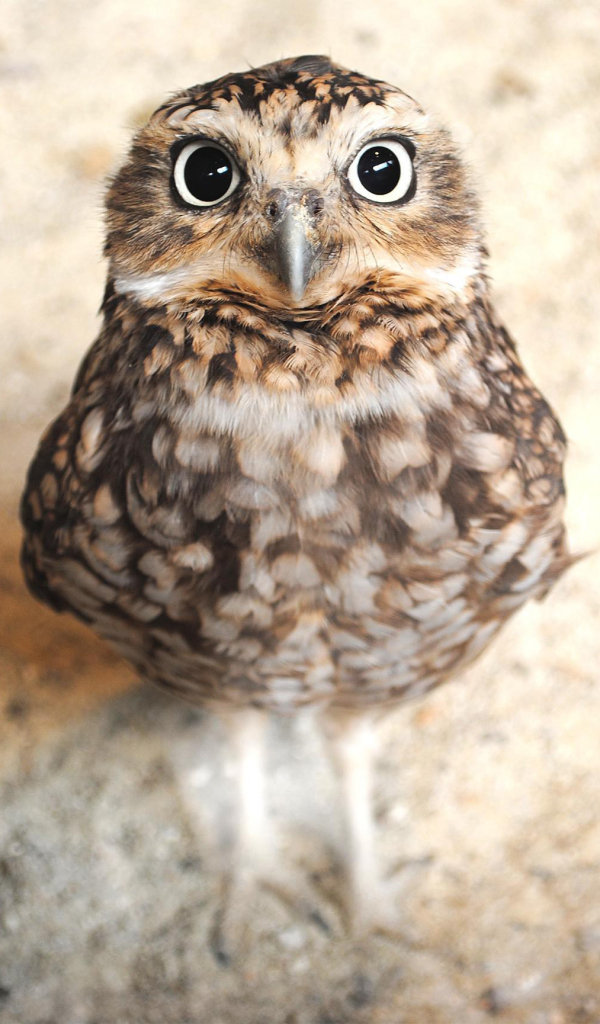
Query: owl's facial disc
x,y
290,187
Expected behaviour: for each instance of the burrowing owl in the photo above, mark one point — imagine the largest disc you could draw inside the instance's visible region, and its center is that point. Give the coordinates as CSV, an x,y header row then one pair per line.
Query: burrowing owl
x,y
302,463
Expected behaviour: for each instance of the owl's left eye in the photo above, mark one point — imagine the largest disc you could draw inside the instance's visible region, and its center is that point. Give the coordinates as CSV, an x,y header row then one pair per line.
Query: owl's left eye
x,y
204,174
383,172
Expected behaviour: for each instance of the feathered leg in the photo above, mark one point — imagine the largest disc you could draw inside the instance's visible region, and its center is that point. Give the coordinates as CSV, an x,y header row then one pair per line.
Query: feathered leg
x,y
372,899
256,859
246,729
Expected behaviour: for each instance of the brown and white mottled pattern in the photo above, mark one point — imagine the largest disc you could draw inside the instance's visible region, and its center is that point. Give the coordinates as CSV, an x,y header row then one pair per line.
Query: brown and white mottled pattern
x,y
340,500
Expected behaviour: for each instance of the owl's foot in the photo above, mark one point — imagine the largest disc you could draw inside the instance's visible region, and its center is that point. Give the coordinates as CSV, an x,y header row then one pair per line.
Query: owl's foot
x,y
242,903
375,903
256,861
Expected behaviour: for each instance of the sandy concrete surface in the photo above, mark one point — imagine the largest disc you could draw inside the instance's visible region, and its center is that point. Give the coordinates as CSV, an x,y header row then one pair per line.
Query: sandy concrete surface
x,y
490,789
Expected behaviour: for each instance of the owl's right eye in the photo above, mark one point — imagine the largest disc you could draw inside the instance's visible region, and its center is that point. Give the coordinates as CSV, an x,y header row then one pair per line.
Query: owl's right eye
x,y
204,174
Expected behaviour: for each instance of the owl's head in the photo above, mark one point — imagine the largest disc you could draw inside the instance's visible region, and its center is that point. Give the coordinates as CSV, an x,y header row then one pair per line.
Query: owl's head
x,y
290,186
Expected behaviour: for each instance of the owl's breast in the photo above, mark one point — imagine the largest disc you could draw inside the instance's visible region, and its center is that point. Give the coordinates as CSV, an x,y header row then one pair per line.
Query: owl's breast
x,y
341,562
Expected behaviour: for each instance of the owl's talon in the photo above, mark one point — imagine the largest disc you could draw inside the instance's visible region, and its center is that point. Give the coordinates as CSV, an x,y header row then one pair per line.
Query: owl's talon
x,y
231,921
241,897
377,911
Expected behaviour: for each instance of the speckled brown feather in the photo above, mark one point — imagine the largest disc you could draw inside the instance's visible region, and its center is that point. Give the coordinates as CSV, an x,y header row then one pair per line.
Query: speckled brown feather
x,y
338,501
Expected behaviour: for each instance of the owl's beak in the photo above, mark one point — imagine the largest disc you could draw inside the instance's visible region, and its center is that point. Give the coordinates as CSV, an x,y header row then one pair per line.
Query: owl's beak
x,y
295,249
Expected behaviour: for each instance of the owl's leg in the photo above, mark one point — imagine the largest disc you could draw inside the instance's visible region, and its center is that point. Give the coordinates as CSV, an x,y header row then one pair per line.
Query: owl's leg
x,y
246,729
257,861
372,898
247,732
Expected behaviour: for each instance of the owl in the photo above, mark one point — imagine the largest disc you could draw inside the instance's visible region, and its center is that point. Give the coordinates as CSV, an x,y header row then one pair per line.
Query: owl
x,y
302,465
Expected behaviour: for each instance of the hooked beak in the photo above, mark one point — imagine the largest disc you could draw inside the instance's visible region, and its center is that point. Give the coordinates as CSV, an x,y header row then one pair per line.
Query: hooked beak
x,y
295,248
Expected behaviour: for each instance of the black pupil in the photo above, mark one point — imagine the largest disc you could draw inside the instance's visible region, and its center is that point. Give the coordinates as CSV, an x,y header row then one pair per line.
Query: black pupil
x,y
208,173
379,170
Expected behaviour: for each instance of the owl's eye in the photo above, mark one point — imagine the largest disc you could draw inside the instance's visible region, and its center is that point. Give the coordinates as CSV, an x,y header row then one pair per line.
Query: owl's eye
x,y
205,174
383,172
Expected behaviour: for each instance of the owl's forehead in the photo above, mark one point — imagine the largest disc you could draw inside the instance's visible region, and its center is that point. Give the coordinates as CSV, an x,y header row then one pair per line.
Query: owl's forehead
x,y
305,105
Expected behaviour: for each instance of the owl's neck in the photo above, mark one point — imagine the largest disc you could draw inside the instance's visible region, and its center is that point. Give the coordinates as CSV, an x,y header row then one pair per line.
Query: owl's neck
x,y
242,369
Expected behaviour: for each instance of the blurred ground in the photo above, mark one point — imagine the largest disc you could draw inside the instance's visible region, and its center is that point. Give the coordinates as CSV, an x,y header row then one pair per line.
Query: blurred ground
x,y
106,890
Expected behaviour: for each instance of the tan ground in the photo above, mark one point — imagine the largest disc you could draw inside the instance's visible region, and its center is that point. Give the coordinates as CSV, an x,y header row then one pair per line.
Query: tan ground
x,y
494,783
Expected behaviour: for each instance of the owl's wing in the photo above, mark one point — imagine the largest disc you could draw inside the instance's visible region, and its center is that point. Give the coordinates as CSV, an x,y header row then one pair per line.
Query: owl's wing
x,y
529,492
123,514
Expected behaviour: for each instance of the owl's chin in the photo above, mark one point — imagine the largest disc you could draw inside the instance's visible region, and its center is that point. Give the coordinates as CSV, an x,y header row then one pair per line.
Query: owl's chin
x,y
336,283
329,293
246,284
329,290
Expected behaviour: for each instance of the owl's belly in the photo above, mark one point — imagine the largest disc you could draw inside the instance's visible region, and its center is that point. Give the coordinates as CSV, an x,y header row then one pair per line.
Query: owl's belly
x,y
352,622
355,589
